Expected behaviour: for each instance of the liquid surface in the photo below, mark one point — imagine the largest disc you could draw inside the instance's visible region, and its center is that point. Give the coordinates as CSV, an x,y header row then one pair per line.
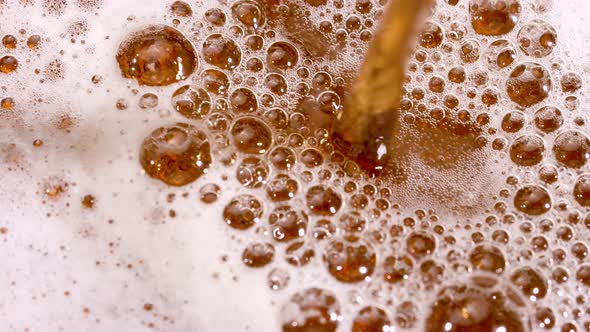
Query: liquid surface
x,y
167,166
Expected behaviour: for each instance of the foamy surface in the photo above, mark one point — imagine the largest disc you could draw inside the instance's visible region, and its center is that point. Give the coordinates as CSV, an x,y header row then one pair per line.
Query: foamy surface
x,y
67,268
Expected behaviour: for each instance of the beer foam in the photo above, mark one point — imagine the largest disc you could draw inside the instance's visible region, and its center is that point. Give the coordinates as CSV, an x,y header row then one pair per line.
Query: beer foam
x,y
149,255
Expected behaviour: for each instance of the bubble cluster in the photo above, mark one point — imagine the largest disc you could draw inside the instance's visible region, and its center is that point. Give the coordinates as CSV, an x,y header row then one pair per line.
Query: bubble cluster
x,y
478,223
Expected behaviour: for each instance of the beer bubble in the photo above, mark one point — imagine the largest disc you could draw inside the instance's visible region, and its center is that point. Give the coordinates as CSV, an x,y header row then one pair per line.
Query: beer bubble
x,y
350,262
258,254
281,56
181,8
9,41
548,119
397,268
531,283
529,84
582,190
494,17
243,212
215,81
312,309
323,201
431,36
8,64
487,258
249,13
500,54
253,172
222,52
572,148
371,319
278,279
156,56
469,51
282,158
251,135
571,82
537,38
193,103
533,200
287,224
465,308
420,244
209,193
176,155
215,16
527,150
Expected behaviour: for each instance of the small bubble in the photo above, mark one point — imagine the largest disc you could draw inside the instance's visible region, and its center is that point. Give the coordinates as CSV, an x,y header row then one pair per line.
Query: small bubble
x,y
527,150
583,275
500,54
287,224
251,135
431,35
571,82
572,148
157,56
176,155
7,104
148,100
258,254
487,258
469,51
371,319
8,64
299,254
457,75
312,309
582,190
243,100
548,119
9,41
222,52
533,200
494,17
531,283
215,16
191,102
464,308
282,56
209,193
215,81
350,262
545,318
242,212
311,158
253,172
278,279
397,268
537,38
282,188
529,84
420,244
282,158
249,13
276,84
181,8
88,201
323,201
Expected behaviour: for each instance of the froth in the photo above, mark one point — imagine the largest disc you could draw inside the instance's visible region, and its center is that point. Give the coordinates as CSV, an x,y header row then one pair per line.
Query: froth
x,y
93,241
